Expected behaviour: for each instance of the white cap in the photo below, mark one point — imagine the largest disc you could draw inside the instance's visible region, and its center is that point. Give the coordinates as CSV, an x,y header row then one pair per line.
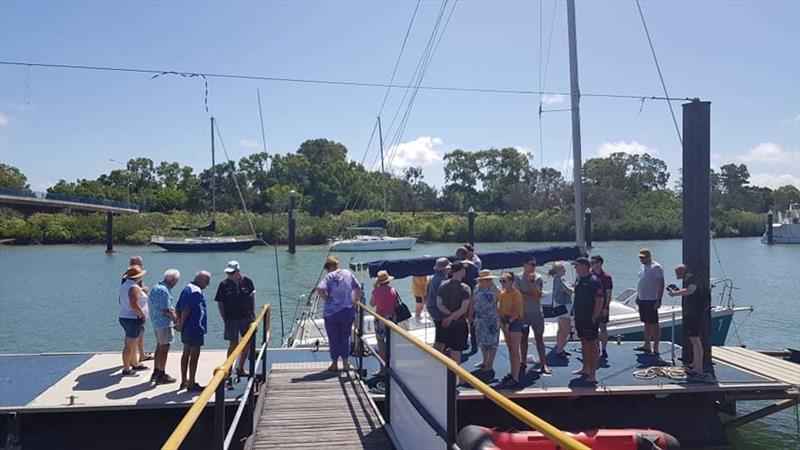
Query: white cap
x,y
233,266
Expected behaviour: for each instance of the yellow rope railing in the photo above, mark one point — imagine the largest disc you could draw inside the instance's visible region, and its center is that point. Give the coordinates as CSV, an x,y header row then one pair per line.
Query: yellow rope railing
x,y
220,374
528,418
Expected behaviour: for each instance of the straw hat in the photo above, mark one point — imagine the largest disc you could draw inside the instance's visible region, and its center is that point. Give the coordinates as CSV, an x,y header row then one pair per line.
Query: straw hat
x,y
383,277
485,274
134,273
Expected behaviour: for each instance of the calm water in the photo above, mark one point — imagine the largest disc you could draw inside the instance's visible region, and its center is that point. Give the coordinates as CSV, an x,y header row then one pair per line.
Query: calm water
x,y
64,298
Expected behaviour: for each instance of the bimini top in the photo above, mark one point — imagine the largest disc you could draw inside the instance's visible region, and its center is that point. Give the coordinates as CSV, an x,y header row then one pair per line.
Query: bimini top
x,y
506,259
374,225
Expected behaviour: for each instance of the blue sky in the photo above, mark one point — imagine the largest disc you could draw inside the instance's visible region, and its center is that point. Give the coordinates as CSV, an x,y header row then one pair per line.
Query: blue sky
x,y
743,56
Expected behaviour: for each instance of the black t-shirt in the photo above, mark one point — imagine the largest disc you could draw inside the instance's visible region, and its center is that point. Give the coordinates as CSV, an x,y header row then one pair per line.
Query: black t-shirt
x,y
453,292
693,304
586,290
236,297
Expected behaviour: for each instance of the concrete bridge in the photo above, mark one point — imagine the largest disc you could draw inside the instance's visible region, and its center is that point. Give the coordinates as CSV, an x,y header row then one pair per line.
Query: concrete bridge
x,y
69,203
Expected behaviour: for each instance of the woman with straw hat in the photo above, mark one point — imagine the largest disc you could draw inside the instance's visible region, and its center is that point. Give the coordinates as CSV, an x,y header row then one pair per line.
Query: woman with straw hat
x,y
486,319
133,313
384,298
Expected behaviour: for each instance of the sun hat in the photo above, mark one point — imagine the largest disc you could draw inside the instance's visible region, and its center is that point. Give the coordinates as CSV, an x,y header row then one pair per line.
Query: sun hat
x,y
383,277
644,253
134,272
485,274
233,266
441,264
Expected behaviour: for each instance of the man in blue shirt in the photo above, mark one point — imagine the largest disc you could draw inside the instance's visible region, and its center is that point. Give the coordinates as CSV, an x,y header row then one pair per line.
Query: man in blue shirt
x,y
193,325
162,316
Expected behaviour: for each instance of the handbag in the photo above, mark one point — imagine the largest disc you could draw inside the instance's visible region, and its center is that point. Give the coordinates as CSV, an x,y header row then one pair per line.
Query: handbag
x,y
401,312
550,311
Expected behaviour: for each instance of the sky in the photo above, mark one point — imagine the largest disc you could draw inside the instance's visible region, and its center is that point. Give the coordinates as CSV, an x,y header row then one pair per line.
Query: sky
x,y
742,56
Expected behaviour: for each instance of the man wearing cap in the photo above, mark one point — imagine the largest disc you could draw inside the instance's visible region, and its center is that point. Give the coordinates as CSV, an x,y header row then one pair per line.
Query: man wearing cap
x,y
648,298
453,300
530,284
589,300
236,299
441,269
193,325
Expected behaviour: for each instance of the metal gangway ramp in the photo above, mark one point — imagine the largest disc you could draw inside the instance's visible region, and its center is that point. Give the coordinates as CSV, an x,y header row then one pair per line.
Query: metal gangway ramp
x,y
305,406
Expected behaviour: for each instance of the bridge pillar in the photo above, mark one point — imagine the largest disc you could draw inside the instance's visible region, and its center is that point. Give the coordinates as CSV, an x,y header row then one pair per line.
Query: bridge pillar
x,y
110,232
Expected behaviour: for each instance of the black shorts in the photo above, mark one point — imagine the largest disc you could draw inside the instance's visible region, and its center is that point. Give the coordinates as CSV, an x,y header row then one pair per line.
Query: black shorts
x,y
587,329
648,312
439,336
455,336
419,299
692,325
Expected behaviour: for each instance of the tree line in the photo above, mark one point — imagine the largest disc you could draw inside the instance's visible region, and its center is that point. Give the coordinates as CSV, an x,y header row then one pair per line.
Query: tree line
x,y
630,196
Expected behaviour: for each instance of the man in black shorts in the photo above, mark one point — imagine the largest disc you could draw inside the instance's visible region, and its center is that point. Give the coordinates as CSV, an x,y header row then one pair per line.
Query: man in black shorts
x,y
453,300
692,316
589,300
236,298
608,286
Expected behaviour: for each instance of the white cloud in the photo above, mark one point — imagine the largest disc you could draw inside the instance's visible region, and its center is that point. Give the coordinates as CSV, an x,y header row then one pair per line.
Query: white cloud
x,y
422,151
791,120
770,153
525,150
3,120
774,181
631,148
552,99
249,143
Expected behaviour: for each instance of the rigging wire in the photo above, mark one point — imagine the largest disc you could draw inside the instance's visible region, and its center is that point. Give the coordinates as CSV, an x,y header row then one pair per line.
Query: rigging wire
x,y
274,227
399,56
232,165
336,82
658,68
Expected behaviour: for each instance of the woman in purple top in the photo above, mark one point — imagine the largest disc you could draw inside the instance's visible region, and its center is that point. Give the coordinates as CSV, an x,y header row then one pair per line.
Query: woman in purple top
x,y
340,289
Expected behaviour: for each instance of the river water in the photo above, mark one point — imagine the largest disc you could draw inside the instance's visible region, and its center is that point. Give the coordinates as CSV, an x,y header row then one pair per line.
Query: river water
x,y
64,298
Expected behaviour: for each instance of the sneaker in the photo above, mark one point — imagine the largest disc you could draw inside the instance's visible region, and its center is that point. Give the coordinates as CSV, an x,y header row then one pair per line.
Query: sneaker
x,y
163,378
195,388
155,375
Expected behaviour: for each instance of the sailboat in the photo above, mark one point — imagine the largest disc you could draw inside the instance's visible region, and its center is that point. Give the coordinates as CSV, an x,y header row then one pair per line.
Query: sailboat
x,y
372,236
209,242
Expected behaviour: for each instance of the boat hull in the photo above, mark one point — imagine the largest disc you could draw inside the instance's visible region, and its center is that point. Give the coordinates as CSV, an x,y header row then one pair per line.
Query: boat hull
x,y
227,244
374,244
784,233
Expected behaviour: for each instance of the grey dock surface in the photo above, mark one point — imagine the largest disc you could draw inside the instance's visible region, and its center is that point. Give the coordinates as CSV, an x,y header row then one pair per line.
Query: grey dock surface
x,y
306,407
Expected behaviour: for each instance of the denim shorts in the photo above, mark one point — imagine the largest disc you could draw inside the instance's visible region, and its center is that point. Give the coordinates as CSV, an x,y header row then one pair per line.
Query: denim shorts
x,y
133,327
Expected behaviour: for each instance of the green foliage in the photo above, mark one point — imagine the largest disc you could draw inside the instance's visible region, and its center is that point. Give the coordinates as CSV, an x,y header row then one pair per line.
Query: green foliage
x,y
12,177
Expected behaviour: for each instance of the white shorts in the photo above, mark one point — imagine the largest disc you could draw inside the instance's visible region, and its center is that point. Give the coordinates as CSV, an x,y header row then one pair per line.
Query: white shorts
x,y
164,336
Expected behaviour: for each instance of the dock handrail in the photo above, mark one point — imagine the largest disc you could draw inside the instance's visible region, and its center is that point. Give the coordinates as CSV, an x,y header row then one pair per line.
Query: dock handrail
x,y
520,413
216,386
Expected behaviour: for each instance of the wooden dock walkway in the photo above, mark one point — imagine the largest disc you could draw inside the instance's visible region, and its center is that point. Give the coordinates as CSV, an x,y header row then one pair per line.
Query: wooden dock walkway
x,y
768,366
306,407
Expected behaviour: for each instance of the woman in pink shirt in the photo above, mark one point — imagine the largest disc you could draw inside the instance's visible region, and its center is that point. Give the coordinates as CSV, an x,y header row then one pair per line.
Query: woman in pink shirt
x,y
384,298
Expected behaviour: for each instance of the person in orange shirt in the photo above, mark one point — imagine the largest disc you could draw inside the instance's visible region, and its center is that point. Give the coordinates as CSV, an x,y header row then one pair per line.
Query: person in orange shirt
x,y
419,287
510,299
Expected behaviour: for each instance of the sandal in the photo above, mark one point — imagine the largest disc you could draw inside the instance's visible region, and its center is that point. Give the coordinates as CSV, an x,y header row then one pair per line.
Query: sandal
x,y
511,382
147,357
140,367
129,373
479,365
242,373
642,349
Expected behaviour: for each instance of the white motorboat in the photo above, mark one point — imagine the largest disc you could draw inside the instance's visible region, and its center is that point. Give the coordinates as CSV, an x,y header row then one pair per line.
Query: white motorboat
x,y
787,230
371,237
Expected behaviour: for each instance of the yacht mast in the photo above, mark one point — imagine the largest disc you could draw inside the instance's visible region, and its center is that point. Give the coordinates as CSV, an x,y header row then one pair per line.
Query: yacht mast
x,y
213,181
577,162
383,174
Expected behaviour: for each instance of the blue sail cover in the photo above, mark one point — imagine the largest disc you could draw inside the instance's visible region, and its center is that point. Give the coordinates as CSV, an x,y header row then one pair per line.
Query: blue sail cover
x,y
380,223
506,259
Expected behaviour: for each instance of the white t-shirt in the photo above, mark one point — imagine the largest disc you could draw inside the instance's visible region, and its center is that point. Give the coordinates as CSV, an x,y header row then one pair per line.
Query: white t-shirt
x,y
648,281
125,311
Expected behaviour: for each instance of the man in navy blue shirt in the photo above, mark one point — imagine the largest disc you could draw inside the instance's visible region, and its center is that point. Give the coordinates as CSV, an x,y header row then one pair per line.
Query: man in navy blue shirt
x,y
589,301
193,325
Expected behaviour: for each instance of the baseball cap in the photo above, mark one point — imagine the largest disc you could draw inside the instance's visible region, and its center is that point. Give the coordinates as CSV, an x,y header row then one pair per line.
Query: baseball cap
x,y
233,266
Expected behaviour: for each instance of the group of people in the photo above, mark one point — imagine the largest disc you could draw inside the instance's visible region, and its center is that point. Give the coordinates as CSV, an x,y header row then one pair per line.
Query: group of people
x,y
140,304
467,307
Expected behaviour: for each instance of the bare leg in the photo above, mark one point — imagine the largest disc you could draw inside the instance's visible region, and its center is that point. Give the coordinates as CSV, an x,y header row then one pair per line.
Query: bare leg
x,y
184,364
455,355
194,358
382,351
603,336
542,353
513,341
160,360
140,347
697,355
523,344
656,335
590,360
418,310
129,358
488,359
